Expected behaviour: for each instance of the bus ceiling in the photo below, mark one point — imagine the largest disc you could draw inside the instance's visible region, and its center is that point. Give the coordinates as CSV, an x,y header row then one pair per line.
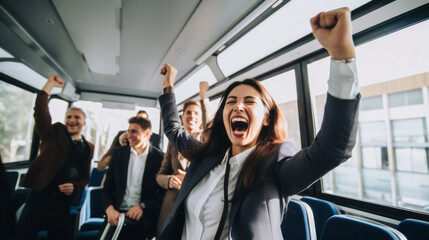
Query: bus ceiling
x,y
118,46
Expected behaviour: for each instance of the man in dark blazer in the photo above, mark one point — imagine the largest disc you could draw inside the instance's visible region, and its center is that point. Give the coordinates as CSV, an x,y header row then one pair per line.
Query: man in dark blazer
x,y
59,171
130,186
121,140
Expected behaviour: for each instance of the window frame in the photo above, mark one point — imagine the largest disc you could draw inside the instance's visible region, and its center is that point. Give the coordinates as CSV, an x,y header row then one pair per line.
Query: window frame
x,y
12,81
356,13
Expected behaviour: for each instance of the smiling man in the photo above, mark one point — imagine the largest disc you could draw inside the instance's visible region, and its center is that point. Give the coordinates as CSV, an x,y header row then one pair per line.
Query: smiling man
x,y
59,171
131,186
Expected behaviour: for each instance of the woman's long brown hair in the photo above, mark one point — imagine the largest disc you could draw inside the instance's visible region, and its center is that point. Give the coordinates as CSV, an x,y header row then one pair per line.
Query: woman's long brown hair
x,y
267,143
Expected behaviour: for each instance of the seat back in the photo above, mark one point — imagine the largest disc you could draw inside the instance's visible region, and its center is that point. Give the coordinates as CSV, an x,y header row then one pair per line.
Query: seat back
x,y
92,207
414,229
79,198
12,178
298,222
355,228
96,177
322,211
96,206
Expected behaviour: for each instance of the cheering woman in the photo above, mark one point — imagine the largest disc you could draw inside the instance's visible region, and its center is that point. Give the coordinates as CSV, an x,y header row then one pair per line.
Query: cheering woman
x,y
241,178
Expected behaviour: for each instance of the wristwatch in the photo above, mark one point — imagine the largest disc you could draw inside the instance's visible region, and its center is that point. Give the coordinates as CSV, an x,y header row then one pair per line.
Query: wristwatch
x,y
168,90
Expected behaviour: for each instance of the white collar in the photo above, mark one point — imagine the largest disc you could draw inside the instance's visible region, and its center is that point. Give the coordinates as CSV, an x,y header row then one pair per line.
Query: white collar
x,y
239,158
145,152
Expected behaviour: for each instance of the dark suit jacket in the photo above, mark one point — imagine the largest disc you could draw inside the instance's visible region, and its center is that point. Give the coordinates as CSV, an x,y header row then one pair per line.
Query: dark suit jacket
x,y
54,149
258,213
151,195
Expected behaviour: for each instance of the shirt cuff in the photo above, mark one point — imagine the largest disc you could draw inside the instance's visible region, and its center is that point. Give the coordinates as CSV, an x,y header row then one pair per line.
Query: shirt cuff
x,y
168,90
343,79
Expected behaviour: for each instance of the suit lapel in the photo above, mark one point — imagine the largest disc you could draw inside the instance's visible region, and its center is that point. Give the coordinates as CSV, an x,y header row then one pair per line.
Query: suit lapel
x,y
195,173
125,160
286,149
147,171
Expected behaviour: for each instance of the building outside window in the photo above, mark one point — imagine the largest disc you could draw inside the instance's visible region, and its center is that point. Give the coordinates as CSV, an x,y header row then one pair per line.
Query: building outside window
x,y
390,160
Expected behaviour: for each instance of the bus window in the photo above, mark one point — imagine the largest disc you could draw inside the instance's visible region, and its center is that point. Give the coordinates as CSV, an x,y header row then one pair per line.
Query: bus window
x,y
103,124
16,122
283,89
269,36
390,161
191,85
213,106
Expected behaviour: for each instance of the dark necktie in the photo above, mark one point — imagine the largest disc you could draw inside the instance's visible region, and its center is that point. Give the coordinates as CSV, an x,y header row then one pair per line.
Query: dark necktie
x,y
225,203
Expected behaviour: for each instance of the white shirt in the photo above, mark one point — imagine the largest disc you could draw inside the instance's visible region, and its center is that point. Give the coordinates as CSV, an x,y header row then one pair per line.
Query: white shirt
x,y
135,172
204,204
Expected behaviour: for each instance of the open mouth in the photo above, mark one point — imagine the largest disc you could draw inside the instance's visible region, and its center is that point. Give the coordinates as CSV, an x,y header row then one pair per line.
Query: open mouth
x,y
239,126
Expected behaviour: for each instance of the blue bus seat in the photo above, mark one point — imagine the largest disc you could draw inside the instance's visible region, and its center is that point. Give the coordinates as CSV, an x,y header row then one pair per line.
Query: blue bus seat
x,y
298,222
414,229
322,211
91,216
12,178
78,201
96,177
356,228
42,235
